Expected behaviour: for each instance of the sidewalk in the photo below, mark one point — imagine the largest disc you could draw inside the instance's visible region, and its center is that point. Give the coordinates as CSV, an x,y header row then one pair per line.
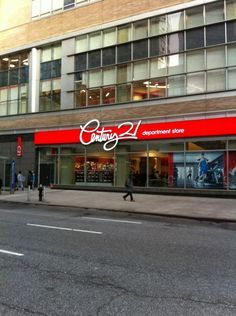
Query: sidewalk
x,y
179,206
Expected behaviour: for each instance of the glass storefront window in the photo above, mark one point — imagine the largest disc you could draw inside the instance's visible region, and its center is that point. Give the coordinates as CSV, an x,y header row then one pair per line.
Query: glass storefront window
x,y
158,25
194,17
232,166
196,83
205,145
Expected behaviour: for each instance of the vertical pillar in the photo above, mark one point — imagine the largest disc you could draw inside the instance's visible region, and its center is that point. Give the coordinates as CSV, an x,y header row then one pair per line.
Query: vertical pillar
x,y
34,77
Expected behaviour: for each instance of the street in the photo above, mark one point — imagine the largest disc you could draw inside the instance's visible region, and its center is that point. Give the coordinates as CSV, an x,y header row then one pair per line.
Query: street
x,y
68,261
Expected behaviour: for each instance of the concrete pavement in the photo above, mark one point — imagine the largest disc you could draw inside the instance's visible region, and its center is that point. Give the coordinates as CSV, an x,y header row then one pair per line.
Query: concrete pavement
x,y
179,206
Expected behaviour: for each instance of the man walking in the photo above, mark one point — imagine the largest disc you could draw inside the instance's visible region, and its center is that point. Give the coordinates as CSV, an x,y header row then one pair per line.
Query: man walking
x,y
129,188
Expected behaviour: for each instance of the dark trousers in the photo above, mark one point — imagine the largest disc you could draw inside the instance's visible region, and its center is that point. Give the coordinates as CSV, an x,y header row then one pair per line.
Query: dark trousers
x,y
128,194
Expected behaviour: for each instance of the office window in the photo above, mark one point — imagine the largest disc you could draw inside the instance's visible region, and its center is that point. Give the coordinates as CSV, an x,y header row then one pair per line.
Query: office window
x,y
231,31
158,67
158,25
94,97
123,93
230,9
194,17
109,37
124,34
94,78
95,40
215,34
140,90
195,38
81,44
81,62
214,12
232,78
57,5
176,64
23,99
195,60
176,86
124,73
140,49
140,29
196,83
123,53
56,68
140,70
158,46
45,70
68,4
45,7
175,43
215,80
109,95
109,76
157,88
13,100
14,76
94,59
108,56
3,78
215,57
231,51
35,8
175,21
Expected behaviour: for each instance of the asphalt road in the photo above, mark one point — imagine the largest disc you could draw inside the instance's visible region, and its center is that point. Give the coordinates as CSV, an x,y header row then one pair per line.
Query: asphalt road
x,y
57,261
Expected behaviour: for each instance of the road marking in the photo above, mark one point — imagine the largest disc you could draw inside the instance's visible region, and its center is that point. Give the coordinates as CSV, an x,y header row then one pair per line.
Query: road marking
x,y
12,253
65,228
111,220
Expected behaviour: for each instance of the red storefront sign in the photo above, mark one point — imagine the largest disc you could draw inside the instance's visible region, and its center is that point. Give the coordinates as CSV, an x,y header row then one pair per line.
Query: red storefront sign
x,y
19,146
92,132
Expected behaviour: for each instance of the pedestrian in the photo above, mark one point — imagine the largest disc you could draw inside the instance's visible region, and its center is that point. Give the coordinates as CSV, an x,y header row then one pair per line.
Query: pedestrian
x,y
40,189
20,180
30,179
129,188
33,180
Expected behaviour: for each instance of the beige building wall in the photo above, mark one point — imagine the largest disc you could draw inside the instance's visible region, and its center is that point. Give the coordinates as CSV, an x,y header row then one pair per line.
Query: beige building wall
x,y
17,28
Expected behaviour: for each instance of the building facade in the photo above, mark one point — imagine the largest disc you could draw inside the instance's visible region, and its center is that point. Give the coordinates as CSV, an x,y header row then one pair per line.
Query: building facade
x,y
93,90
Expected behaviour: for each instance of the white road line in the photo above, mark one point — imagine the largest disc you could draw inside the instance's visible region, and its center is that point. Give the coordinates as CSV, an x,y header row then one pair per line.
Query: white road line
x,y
110,220
12,253
65,228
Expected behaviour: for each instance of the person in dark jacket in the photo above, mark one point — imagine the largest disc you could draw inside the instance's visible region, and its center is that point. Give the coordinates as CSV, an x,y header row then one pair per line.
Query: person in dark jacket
x,y
129,188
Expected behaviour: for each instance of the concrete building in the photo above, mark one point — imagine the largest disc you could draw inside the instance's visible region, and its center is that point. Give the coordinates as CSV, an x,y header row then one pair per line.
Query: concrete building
x,y
91,90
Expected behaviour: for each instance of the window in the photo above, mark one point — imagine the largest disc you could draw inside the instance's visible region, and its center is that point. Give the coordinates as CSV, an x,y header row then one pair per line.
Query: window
x,y
140,90
231,49
94,40
215,34
158,46
215,80
108,56
196,83
175,43
194,17
175,21
230,9
232,78
195,38
231,31
123,53
140,70
124,73
158,67
124,34
123,93
215,57
108,95
81,44
176,86
195,60
176,64
109,76
95,78
158,25
214,12
94,59
140,29
81,62
109,37
157,88
68,4
94,97
140,49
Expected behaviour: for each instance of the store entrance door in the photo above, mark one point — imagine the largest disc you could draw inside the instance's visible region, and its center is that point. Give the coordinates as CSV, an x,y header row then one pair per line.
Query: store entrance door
x,y
46,174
